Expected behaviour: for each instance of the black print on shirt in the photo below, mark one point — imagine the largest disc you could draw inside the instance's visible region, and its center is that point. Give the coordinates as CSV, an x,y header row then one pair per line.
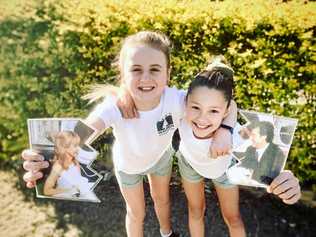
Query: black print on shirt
x,y
165,125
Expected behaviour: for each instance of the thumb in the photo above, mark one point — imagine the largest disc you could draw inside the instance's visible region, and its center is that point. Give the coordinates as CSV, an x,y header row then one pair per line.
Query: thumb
x,y
269,189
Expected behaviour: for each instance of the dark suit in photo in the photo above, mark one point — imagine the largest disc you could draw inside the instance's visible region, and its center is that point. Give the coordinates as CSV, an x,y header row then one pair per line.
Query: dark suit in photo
x,y
269,166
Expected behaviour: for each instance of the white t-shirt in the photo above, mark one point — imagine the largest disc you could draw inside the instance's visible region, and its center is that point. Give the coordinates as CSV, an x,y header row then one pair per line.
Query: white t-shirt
x,y
141,142
72,180
196,152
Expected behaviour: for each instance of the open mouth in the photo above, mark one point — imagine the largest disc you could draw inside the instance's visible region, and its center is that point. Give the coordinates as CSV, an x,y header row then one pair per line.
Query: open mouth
x,y
146,88
199,126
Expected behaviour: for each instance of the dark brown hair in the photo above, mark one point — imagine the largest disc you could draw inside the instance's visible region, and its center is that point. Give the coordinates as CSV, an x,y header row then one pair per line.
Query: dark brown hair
x,y
217,75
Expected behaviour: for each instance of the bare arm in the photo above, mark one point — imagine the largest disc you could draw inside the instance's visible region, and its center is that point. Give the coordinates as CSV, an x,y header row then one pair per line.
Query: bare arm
x,y
126,104
50,183
231,118
222,142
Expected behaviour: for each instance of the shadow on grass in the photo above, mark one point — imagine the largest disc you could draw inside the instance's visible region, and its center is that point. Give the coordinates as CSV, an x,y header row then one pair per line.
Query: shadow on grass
x,y
263,214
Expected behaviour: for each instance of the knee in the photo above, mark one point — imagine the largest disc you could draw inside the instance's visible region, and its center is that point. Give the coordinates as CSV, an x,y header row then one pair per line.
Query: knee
x,y
160,199
197,211
233,220
136,214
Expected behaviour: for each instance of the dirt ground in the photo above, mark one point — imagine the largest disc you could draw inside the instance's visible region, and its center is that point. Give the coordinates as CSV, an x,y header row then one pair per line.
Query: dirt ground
x,y
23,215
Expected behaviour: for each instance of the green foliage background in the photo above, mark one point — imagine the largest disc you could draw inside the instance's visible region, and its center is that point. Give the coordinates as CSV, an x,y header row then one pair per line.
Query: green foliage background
x,y
52,51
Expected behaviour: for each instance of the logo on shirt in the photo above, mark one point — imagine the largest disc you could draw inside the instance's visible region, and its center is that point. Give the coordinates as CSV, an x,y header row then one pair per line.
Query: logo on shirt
x,y
165,125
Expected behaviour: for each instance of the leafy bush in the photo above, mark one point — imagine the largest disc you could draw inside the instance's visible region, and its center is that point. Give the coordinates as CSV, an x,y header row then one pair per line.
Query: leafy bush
x,y
49,59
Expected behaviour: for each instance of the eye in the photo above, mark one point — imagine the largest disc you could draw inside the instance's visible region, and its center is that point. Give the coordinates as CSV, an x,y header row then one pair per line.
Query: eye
x,y
135,70
155,70
214,111
195,107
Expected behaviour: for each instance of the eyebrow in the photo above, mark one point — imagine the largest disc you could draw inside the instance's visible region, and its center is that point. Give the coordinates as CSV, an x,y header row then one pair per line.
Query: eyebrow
x,y
210,107
152,65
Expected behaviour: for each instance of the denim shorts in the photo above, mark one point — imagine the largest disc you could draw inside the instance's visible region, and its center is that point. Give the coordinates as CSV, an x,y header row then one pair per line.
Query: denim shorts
x,y
189,174
162,168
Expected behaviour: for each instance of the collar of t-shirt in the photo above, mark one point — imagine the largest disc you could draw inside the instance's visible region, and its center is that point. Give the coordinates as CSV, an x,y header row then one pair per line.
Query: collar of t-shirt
x,y
261,151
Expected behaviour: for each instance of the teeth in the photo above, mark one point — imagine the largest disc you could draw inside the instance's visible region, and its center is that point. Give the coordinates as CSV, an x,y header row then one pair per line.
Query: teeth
x,y
146,88
201,126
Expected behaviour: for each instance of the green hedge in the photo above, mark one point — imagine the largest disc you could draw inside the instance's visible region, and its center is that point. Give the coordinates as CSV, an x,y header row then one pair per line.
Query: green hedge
x,y
48,59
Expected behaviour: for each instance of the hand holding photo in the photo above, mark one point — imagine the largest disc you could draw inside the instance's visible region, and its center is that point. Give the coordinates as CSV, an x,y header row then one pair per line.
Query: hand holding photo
x,y
64,143
262,155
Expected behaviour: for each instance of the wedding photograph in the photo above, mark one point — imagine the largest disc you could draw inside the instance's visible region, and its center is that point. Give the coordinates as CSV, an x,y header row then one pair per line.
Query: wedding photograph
x,y
62,143
264,155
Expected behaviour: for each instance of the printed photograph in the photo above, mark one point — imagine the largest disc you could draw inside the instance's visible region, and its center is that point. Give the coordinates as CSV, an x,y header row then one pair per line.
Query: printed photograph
x,y
65,144
266,141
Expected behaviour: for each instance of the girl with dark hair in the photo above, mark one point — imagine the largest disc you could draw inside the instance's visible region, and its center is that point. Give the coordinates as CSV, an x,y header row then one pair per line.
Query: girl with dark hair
x,y
207,104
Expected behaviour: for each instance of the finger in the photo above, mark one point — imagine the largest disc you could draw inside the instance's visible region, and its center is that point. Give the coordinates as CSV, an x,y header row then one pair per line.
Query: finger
x,y
125,113
214,154
133,113
290,183
289,193
210,152
32,155
130,113
281,178
35,166
136,113
32,176
269,189
220,153
30,184
293,199
225,152
120,106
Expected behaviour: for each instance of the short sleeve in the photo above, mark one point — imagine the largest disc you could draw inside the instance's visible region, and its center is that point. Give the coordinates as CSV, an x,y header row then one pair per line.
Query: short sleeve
x,y
181,101
107,111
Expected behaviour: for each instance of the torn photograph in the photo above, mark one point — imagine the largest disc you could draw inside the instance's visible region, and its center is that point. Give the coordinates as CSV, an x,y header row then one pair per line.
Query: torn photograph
x,y
65,144
266,141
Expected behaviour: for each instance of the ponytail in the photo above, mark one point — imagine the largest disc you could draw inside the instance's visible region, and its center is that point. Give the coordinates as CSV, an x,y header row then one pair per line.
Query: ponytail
x,y
99,91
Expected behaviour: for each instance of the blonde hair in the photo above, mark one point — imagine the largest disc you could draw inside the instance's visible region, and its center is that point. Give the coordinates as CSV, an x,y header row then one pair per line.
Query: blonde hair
x,y
63,141
151,39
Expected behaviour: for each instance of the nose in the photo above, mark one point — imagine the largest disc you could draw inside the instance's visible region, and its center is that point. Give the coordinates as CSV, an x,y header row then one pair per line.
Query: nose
x,y
202,118
145,76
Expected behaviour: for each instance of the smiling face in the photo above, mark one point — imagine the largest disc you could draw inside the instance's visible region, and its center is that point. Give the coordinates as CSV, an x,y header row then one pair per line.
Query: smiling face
x,y
73,150
66,147
205,110
145,74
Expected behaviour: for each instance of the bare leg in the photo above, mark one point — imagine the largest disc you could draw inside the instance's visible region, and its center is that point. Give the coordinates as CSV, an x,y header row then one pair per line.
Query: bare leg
x,y
196,204
135,208
159,190
229,203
